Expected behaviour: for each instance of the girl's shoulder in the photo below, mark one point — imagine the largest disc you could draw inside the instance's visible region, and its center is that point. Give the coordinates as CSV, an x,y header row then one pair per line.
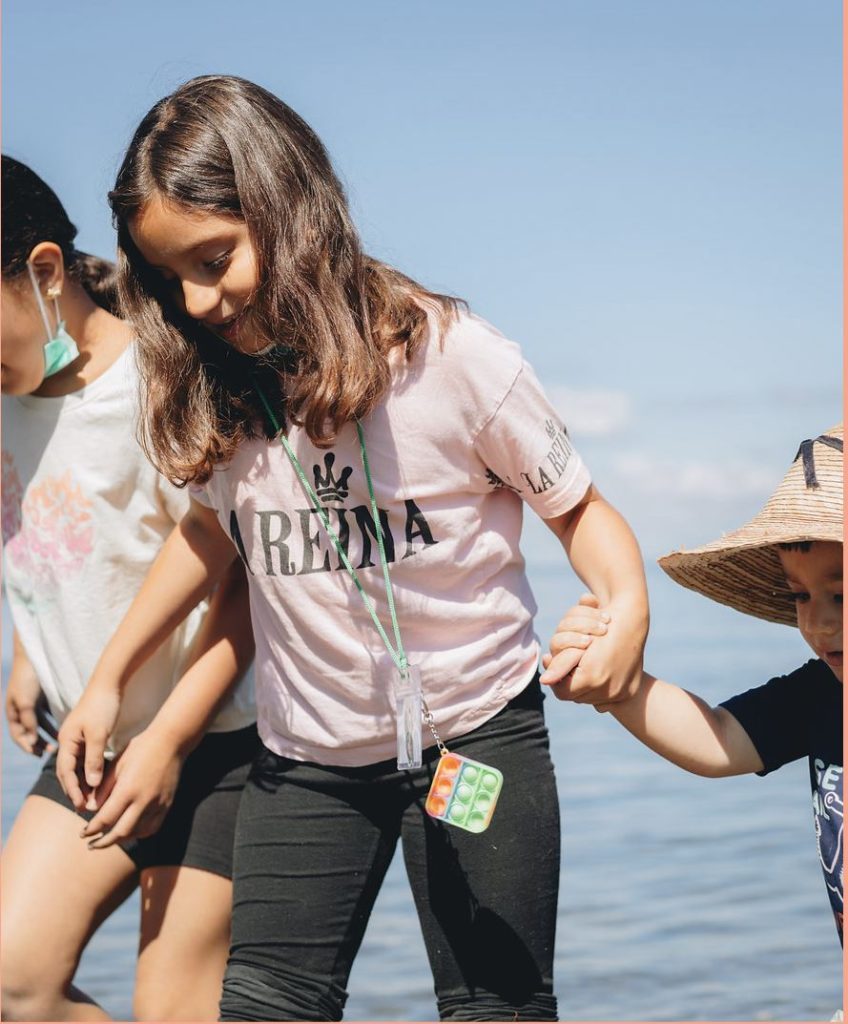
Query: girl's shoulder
x,y
471,336
472,352
466,368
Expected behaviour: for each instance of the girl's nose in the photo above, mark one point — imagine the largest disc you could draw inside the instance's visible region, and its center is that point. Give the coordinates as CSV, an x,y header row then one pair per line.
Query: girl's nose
x,y
199,300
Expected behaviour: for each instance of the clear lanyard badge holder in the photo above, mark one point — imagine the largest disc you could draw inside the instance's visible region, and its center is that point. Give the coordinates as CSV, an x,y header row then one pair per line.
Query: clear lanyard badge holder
x,y
464,792
409,703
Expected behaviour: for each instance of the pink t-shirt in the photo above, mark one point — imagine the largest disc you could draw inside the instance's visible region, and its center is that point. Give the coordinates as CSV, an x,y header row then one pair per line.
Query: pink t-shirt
x,y
462,438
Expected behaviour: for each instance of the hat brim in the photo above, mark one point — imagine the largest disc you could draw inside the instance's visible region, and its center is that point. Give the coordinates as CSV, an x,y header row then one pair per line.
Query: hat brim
x,y
742,569
745,573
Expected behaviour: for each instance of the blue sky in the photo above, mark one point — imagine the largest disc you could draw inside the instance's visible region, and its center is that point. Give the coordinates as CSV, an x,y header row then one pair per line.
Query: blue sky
x,y
644,193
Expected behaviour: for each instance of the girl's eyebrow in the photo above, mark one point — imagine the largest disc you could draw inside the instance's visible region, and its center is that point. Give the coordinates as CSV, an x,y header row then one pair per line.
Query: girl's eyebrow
x,y
212,240
218,239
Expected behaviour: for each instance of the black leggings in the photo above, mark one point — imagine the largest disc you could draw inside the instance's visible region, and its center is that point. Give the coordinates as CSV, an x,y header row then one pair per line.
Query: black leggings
x,y
313,844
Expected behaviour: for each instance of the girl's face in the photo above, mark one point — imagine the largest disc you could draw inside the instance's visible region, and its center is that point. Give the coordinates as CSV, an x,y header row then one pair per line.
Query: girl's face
x,y
210,264
22,360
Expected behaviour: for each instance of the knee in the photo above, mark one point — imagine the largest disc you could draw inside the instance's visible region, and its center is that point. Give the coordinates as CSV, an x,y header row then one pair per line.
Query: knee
x,y
19,1004
167,1003
253,993
27,994
155,1006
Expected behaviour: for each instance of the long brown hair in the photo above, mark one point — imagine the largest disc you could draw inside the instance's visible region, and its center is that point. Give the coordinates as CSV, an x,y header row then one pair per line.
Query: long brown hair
x,y
227,146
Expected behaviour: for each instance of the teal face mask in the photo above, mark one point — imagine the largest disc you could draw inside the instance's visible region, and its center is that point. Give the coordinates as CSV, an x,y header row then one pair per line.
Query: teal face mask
x,y
60,349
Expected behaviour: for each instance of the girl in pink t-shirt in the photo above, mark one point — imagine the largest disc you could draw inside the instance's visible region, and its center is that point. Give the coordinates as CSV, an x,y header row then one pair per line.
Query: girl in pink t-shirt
x,y
365,446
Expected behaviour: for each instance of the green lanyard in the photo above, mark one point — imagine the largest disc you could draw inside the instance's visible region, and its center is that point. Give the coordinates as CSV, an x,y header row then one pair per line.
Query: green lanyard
x,y
470,779
397,652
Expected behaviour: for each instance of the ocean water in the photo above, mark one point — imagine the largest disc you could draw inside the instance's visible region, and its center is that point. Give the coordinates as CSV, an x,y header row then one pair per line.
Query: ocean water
x,y
681,898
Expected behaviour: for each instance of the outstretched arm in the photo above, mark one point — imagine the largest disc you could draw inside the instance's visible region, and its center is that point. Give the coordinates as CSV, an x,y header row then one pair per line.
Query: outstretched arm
x,y
684,729
678,725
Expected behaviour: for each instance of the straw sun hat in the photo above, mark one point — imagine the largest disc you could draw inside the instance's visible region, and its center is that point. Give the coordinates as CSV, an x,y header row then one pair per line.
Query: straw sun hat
x,y
742,568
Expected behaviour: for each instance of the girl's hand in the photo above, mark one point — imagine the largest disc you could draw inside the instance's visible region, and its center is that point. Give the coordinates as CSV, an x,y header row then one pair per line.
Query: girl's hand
x,y
611,671
30,724
575,632
138,792
82,744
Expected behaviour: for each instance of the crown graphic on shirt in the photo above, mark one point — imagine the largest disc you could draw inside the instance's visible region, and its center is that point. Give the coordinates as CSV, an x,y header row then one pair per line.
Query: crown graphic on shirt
x,y
328,487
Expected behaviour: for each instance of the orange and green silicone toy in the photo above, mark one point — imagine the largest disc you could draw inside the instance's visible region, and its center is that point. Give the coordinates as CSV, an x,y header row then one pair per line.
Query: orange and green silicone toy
x,y
464,792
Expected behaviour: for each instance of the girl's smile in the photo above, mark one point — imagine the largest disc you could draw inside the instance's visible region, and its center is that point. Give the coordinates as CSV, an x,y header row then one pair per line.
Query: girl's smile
x,y
232,327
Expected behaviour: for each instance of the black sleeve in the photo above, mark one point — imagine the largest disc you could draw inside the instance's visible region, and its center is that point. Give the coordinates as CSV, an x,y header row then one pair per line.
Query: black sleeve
x,y
777,716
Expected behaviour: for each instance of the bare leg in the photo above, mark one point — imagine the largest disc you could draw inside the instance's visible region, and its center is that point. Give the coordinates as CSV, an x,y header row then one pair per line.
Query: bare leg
x,y
54,894
185,939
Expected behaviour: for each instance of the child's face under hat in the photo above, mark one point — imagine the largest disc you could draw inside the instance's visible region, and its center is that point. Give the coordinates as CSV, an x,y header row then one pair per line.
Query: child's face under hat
x,y
814,577
785,565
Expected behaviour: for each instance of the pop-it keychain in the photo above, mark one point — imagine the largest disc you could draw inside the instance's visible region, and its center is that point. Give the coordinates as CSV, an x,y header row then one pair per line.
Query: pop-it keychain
x,y
464,792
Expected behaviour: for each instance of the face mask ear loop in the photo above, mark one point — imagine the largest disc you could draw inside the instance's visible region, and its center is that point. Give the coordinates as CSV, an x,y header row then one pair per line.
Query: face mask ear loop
x,y
42,308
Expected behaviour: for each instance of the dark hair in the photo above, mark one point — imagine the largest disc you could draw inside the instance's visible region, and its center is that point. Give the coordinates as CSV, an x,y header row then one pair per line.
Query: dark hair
x,y
32,213
796,545
224,145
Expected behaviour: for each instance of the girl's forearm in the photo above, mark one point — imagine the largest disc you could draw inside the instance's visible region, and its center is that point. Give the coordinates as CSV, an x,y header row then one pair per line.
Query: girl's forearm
x,y
193,558
221,655
605,555
685,730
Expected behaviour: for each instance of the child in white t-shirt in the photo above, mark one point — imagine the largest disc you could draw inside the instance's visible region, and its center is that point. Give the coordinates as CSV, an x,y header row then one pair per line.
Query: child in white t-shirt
x,y
365,447
84,515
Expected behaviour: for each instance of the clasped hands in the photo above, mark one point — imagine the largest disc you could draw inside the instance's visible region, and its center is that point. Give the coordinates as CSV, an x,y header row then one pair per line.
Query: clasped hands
x,y
595,654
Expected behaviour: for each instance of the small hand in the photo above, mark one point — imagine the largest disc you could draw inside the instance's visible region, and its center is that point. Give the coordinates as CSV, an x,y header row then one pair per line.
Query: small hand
x,y
83,737
573,636
30,723
137,795
594,659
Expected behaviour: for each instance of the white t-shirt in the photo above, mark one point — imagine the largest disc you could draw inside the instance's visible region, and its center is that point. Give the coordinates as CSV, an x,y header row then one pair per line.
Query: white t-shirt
x,y
461,439
84,515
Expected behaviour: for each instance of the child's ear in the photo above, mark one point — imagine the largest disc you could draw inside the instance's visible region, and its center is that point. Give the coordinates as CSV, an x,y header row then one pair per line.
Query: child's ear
x,y
48,263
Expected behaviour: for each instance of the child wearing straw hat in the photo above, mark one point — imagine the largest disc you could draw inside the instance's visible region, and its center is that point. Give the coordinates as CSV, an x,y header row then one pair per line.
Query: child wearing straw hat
x,y
785,565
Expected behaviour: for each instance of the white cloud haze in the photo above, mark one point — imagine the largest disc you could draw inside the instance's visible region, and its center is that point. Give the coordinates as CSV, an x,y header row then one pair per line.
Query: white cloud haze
x,y
591,413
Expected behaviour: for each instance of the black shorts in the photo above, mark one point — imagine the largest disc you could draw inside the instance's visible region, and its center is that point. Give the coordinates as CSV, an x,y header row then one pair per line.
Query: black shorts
x,y
199,828
313,844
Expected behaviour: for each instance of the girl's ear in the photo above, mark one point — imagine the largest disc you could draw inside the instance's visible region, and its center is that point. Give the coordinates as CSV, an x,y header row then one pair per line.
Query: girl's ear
x,y
49,265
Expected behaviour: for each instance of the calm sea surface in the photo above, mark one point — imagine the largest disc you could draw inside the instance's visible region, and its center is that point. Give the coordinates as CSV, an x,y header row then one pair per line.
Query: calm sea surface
x,y
681,898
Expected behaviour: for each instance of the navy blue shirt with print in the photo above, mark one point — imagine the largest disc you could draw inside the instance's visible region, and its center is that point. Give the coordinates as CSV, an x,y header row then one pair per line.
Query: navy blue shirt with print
x,y
800,715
